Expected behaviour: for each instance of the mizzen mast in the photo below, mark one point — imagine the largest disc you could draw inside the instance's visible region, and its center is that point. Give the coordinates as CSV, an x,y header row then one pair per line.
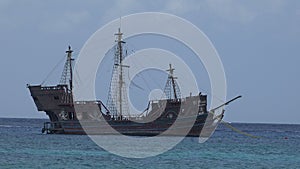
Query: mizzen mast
x,y
67,75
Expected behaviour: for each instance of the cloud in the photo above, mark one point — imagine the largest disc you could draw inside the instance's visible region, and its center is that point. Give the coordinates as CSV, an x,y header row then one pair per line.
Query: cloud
x,y
47,16
62,23
242,12
5,15
230,10
5,3
123,7
297,13
182,6
274,6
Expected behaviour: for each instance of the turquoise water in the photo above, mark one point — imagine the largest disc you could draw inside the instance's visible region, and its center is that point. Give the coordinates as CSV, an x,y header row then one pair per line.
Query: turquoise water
x,y
23,146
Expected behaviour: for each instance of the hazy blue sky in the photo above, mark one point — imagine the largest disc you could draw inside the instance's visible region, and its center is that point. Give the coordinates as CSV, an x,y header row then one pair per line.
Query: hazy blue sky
x,y
258,42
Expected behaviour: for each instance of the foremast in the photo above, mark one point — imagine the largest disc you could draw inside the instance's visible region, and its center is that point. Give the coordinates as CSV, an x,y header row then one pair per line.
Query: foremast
x,y
171,88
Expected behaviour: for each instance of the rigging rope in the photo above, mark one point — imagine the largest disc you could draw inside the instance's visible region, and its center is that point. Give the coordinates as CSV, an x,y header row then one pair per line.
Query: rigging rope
x,y
55,67
237,130
138,75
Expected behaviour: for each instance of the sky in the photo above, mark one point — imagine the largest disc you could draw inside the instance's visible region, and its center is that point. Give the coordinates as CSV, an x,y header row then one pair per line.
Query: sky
x,y
258,42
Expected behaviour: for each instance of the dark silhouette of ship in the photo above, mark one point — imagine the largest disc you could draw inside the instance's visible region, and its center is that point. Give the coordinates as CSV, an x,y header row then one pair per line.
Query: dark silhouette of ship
x,y
172,115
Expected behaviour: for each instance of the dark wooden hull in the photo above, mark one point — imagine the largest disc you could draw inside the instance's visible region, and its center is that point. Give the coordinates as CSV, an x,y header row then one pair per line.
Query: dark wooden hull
x,y
81,120
187,126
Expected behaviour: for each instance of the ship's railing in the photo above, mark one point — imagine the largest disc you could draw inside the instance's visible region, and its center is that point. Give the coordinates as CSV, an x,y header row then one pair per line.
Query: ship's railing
x,y
88,102
58,87
95,102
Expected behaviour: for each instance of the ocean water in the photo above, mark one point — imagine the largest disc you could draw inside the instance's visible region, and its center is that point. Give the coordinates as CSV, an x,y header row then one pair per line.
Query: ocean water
x,y
23,146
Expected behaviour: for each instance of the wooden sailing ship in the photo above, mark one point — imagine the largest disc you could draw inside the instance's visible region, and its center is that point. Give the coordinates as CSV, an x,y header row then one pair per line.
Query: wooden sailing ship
x,y
173,115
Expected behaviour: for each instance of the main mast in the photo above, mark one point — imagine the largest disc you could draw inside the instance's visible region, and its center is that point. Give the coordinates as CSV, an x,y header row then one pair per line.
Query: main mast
x,y
117,98
120,49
